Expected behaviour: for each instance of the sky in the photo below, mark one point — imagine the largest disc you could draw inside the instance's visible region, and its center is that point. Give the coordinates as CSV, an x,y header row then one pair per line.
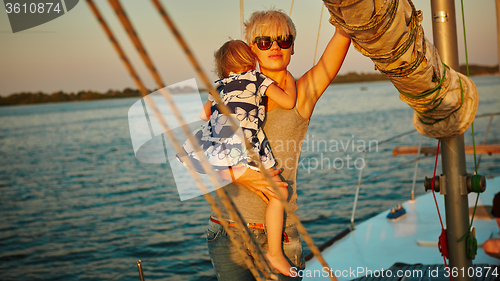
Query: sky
x,y
72,53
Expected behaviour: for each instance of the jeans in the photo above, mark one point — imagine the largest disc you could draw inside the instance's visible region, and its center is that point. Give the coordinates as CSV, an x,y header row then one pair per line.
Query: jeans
x,y
229,265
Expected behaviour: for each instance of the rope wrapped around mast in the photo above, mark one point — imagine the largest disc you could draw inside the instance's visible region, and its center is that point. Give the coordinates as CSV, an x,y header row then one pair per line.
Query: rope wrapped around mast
x,y
389,33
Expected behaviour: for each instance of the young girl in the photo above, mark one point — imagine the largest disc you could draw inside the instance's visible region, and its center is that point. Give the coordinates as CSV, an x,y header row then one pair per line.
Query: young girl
x,y
242,90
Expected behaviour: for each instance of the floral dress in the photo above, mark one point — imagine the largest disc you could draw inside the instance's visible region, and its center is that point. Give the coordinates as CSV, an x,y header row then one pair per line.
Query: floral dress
x,y
244,95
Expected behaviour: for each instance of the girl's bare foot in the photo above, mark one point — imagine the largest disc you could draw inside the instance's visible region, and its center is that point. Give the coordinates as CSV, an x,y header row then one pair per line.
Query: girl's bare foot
x,y
279,262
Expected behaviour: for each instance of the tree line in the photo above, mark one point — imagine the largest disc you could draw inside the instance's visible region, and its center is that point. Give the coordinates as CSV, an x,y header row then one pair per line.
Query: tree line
x,y
40,97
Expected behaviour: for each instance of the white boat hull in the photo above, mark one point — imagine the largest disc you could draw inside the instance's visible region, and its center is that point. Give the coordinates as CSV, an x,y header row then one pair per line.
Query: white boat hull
x,y
378,243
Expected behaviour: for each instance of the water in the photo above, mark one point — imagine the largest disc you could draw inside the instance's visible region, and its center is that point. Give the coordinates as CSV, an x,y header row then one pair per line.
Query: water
x,y
77,205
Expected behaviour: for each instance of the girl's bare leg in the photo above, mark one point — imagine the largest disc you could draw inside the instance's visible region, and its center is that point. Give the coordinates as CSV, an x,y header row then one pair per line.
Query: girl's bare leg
x,y
274,226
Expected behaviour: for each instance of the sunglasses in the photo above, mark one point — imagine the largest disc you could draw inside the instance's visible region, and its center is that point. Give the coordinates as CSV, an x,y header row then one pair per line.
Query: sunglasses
x,y
265,42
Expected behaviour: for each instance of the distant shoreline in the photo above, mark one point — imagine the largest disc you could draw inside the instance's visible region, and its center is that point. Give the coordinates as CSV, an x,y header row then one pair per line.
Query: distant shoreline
x,y
25,98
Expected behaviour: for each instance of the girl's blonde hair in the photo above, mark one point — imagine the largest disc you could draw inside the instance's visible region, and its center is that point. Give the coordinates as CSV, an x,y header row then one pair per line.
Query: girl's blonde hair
x,y
272,23
234,56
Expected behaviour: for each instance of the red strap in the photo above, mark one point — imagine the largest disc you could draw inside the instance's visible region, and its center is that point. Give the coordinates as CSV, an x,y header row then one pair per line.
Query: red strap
x,y
443,238
286,237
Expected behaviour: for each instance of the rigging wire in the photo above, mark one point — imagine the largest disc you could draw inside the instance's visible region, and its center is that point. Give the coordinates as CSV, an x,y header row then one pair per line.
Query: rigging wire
x,y
225,199
319,31
263,267
144,92
292,215
242,19
443,240
467,67
471,241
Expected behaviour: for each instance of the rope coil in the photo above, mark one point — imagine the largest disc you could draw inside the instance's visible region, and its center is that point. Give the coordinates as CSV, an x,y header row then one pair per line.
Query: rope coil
x,y
399,49
406,70
343,4
428,92
373,22
470,245
391,14
443,244
441,119
397,52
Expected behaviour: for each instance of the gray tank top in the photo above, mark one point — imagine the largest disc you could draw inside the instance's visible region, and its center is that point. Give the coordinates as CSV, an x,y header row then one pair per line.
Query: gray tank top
x,y
285,130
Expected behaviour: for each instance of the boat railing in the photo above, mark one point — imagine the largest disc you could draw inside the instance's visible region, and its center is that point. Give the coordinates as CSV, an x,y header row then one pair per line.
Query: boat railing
x,y
486,134
362,180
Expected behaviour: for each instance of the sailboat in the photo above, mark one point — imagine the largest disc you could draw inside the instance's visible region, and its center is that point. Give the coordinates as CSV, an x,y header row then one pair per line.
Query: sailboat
x,y
453,142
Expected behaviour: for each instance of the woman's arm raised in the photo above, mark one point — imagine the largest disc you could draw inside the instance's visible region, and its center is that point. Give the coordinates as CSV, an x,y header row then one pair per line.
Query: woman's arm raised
x,y
314,82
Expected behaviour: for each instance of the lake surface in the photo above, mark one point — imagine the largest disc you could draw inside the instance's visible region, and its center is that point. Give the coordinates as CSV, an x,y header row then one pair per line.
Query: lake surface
x,y
77,205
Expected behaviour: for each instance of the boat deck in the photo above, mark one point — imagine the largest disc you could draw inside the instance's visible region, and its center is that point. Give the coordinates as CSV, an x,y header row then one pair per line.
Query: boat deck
x,y
379,243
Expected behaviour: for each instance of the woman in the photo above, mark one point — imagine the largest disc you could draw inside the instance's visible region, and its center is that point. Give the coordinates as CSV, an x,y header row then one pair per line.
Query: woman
x,y
268,34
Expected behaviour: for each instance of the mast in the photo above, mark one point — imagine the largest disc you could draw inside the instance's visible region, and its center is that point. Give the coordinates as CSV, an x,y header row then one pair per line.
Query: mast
x,y
453,154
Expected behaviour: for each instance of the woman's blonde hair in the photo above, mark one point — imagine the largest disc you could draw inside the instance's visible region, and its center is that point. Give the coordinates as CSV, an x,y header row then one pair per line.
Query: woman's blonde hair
x,y
234,56
272,23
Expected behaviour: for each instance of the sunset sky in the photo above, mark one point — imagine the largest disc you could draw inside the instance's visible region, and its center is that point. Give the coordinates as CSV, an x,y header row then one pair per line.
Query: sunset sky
x,y
72,53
